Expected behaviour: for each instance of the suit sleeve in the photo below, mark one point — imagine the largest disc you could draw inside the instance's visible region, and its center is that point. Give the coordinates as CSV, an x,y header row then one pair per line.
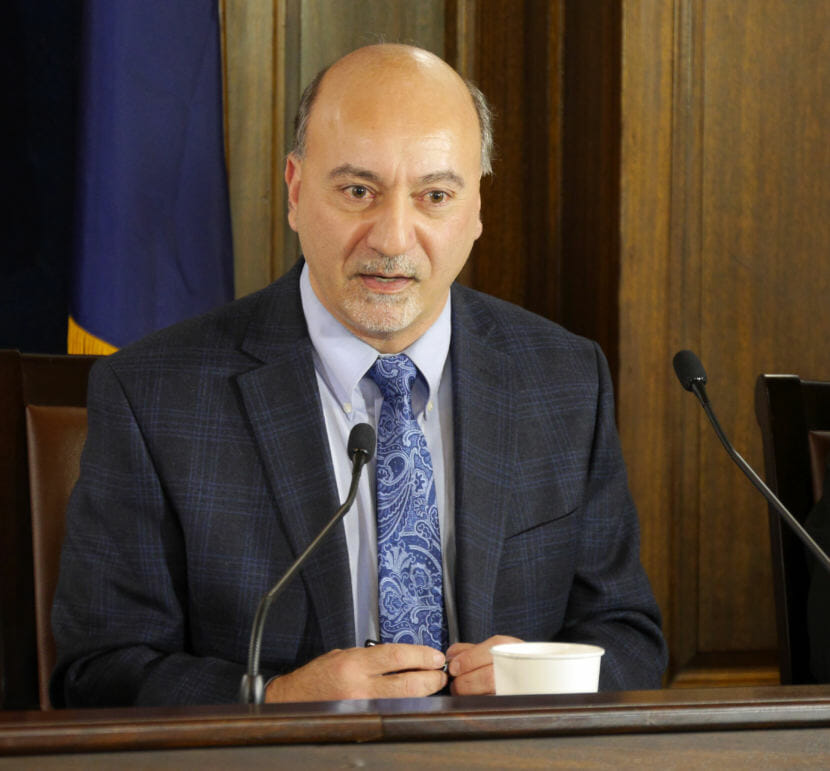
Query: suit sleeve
x,y
120,611
611,603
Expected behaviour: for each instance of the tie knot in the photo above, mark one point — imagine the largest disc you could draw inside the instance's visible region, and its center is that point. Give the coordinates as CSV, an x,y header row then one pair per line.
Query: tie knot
x,y
394,376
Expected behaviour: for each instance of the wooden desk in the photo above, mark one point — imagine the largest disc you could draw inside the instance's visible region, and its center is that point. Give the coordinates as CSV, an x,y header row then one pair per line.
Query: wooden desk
x,y
722,727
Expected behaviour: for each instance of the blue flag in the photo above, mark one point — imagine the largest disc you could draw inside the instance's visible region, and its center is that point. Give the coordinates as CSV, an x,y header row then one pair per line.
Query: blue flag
x,y
153,240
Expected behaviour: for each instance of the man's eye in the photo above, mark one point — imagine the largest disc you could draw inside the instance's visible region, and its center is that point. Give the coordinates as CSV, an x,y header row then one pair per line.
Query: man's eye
x,y
358,191
436,196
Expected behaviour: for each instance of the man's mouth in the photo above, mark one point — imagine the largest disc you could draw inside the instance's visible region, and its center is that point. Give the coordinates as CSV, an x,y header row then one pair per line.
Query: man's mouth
x,y
379,282
389,278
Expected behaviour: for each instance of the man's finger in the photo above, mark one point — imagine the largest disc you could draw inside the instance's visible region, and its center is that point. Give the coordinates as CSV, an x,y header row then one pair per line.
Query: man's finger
x,y
457,648
413,684
477,682
477,655
398,657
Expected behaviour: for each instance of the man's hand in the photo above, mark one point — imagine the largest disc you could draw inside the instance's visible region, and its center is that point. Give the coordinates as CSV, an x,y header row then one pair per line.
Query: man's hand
x,y
381,672
472,666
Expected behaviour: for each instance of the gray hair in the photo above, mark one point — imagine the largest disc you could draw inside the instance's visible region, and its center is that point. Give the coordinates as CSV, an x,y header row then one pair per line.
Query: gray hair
x,y
483,111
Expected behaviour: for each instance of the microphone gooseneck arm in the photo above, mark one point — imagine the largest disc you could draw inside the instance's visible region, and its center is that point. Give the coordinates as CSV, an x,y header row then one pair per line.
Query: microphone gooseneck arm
x,y
361,449
692,377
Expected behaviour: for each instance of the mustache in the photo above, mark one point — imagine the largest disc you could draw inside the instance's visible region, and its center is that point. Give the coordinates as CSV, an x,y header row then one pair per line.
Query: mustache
x,y
390,265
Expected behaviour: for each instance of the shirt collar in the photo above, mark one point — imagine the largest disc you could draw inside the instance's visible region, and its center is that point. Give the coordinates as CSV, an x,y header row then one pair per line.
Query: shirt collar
x,y
342,359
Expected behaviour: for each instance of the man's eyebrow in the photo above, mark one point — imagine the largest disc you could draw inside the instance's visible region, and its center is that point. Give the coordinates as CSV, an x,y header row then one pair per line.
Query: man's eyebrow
x,y
442,176
347,170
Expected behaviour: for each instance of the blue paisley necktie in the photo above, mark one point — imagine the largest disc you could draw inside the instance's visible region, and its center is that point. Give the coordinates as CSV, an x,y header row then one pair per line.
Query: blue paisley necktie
x,y
410,593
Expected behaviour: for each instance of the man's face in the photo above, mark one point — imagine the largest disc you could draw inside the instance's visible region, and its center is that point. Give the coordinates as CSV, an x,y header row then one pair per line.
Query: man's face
x,y
386,198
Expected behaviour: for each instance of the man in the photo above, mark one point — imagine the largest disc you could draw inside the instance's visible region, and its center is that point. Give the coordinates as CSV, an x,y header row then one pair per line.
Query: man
x,y
216,448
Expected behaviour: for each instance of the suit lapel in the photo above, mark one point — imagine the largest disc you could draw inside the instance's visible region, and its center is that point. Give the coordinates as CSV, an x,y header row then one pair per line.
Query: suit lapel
x,y
484,445
283,407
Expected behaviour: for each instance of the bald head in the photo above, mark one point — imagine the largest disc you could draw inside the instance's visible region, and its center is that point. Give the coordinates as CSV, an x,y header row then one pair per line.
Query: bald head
x,y
400,71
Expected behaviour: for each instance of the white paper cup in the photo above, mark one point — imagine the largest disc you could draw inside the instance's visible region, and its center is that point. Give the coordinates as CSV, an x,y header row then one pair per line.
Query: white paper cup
x,y
546,667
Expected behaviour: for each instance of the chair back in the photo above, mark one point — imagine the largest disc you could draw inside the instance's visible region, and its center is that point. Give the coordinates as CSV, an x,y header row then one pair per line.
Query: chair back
x,y
25,379
794,416
819,454
55,437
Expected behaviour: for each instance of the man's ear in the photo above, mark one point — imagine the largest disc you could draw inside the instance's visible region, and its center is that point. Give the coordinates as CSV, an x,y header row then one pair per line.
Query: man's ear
x,y
293,173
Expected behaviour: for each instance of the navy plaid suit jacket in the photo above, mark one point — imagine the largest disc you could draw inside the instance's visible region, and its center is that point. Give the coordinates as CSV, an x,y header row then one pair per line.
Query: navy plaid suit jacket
x,y
207,470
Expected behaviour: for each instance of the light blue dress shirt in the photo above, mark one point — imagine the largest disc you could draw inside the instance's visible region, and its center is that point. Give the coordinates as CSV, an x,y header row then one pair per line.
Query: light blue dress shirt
x,y
341,361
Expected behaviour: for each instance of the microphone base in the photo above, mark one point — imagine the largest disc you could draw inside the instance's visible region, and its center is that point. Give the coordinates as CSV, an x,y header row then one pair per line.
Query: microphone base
x,y
252,689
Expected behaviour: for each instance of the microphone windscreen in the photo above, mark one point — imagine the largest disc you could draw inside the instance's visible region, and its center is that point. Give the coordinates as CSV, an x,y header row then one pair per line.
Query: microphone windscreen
x,y
362,439
688,369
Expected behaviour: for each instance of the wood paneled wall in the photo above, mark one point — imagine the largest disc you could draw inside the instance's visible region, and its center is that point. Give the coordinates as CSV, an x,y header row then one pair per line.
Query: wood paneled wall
x,y
517,63
661,182
725,241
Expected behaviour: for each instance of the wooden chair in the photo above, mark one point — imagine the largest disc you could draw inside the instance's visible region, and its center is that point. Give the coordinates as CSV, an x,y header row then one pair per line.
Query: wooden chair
x,y
794,416
55,437
25,379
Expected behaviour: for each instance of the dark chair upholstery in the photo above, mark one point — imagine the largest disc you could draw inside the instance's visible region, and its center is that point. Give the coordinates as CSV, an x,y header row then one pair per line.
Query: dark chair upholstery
x,y
819,454
25,379
794,416
55,437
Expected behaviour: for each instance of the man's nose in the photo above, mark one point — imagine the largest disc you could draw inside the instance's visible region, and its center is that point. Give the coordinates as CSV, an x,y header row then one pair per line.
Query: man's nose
x,y
393,228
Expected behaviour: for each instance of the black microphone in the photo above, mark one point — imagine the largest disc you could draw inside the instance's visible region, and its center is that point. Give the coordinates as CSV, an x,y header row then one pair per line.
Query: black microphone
x,y
690,373
692,377
361,447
